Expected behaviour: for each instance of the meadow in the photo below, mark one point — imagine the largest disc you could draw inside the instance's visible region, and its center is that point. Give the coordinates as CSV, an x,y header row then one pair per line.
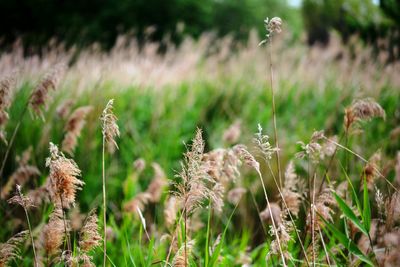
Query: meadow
x,y
188,159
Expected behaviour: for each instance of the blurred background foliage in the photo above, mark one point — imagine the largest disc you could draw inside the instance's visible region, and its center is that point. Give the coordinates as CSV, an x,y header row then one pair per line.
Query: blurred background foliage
x,y
81,23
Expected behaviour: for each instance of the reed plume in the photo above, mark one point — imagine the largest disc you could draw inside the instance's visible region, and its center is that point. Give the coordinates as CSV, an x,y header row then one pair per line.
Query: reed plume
x,y
138,202
73,128
89,237
181,258
362,110
232,134
22,174
50,81
64,109
170,210
52,235
10,251
7,86
158,183
63,178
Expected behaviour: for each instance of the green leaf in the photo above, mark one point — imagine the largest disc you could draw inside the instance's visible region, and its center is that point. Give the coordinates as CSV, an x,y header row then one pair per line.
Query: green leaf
x,y
366,208
348,212
353,191
347,243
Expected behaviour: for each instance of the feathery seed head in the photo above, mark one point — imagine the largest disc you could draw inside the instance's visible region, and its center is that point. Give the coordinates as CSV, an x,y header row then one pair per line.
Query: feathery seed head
x,y
63,182
40,94
110,127
73,128
89,234
10,251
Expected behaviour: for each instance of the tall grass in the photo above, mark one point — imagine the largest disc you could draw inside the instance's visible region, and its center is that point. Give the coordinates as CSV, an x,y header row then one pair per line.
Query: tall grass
x,y
336,203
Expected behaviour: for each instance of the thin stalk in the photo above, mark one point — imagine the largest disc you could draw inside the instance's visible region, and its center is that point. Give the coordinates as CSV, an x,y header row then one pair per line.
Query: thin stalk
x,y
185,234
104,205
272,218
173,239
278,161
324,246
313,220
30,229
208,236
329,166
65,225
290,215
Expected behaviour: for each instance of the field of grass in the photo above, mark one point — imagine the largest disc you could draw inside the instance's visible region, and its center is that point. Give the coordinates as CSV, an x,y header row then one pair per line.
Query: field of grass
x,y
168,207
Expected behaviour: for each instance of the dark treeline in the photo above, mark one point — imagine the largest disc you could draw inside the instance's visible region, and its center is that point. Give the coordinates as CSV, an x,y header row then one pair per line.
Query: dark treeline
x,y
86,21
82,22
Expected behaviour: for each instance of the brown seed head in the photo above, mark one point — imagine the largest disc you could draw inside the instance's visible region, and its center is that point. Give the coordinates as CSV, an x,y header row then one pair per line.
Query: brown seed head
x,y
110,126
73,128
63,178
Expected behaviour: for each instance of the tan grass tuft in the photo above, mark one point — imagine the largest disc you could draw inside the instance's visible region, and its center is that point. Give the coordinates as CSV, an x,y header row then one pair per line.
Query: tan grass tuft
x,y
21,175
171,209
7,86
89,236
235,194
232,134
180,259
73,128
63,178
53,233
64,109
158,183
362,110
370,171
39,97
138,202
109,126
10,251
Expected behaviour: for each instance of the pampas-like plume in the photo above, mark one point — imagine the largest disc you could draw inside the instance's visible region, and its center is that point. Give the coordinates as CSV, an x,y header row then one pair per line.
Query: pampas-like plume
x,y
313,149
110,128
235,194
63,178
290,194
9,251
73,128
63,110
51,80
89,236
53,233
139,165
323,208
193,190
170,210
138,202
362,110
158,183
371,172
232,134
7,85
20,199
181,258
21,175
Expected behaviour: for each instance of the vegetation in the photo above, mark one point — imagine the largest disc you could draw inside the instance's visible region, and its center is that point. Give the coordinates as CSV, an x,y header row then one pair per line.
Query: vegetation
x,y
184,164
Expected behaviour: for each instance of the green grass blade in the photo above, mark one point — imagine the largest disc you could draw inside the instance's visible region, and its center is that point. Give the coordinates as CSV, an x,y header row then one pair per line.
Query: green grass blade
x,y
366,208
347,211
347,243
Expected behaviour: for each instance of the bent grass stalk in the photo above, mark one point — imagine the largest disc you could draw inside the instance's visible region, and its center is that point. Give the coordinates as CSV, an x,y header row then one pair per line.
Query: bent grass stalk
x,y
272,217
289,213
